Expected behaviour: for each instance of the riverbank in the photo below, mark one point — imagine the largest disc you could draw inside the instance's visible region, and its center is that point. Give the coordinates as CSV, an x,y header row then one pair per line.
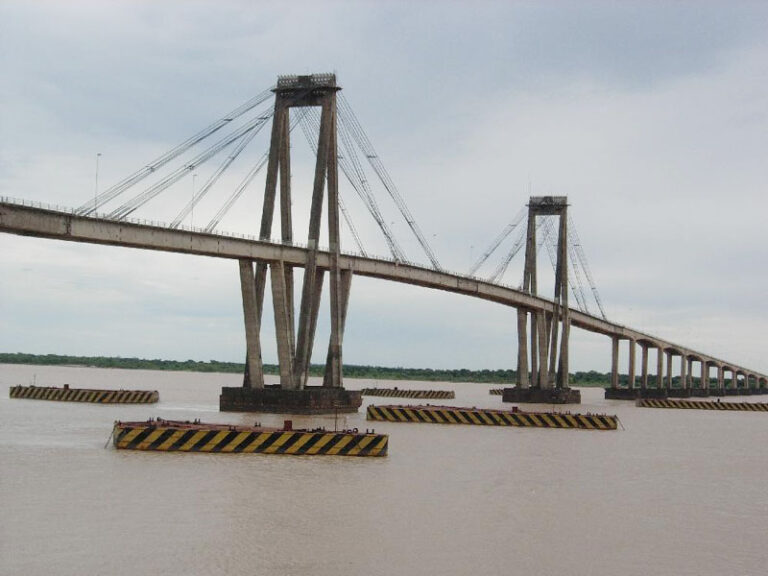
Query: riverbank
x,y
508,377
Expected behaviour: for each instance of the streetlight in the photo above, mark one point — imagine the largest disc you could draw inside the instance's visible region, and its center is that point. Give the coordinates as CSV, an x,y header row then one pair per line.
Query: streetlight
x,y
192,210
96,189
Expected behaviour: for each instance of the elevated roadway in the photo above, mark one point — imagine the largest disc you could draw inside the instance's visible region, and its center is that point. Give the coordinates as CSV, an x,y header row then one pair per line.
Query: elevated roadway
x,y
25,219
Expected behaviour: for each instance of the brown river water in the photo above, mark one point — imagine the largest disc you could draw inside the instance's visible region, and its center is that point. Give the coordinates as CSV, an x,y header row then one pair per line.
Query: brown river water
x,y
676,492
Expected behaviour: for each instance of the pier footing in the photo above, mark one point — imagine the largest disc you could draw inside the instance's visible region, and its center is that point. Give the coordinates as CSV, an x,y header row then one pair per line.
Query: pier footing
x,y
663,393
541,396
275,400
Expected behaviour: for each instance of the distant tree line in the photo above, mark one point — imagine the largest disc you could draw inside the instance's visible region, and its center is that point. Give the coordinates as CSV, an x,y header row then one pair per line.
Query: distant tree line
x,y
591,378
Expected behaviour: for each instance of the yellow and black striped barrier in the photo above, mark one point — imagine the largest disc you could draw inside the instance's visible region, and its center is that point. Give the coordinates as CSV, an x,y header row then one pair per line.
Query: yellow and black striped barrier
x,y
421,394
489,417
496,391
171,436
67,394
702,405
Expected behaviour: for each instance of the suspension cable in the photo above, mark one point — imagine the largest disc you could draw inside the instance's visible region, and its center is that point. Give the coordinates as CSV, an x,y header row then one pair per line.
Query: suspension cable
x,y
120,187
363,190
551,244
577,274
310,126
247,181
142,198
352,229
354,173
349,118
216,175
576,241
497,241
504,264
237,193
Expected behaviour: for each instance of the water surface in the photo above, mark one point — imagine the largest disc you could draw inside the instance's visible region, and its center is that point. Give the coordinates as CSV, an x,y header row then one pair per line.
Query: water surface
x,y
676,492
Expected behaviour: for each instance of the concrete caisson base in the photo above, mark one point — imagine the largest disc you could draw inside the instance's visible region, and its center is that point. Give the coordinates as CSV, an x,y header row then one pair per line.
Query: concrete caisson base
x,y
275,400
679,393
541,396
622,393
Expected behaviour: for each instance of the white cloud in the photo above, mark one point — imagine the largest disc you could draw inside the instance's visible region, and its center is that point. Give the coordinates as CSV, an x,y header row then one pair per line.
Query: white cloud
x,y
650,117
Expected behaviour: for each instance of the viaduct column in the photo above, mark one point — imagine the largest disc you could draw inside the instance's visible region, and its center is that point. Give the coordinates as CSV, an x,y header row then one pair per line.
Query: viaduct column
x,y
614,362
659,368
683,371
669,369
720,378
631,375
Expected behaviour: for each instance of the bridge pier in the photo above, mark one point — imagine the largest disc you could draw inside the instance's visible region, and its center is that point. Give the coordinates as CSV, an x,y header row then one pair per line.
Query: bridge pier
x,y
295,343
254,370
550,331
660,368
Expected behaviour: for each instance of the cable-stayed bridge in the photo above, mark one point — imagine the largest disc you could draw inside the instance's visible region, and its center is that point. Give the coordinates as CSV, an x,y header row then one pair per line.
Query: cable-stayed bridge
x,y
337,139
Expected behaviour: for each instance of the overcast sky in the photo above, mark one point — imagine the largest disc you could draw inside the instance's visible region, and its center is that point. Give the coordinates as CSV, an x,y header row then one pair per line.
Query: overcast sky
x,y
652,117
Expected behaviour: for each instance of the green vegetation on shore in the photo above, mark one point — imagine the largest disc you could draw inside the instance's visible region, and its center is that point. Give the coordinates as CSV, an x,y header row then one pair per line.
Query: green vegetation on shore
x,y
591,378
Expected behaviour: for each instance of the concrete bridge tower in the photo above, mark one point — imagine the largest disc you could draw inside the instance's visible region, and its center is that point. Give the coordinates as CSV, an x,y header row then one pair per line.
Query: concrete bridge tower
x,y
294,343
549,332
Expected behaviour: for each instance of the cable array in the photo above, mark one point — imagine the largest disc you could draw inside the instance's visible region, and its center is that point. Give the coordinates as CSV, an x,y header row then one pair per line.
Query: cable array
x,y
545,237
310,125
114,191
498,240
351,122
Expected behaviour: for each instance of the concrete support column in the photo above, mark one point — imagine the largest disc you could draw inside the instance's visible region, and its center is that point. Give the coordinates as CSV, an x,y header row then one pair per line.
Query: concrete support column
x,y
335,364
614,362
704,375
659,368
683,371
720,378
562,258
285,347
254,370
631,371
644,366
346,285
690,372
307,330
669,369
522,349
543,333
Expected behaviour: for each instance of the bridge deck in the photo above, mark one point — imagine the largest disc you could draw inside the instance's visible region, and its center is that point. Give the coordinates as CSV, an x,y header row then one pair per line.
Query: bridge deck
x,y
25,220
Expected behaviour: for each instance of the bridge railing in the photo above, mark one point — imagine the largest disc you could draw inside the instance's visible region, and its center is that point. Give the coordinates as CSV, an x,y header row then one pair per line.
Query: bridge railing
x,y
250,237
158,224
194,229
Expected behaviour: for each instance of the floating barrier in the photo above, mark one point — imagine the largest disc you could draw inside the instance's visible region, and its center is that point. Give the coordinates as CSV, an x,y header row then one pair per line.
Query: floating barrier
x,y
496,391
702,405
175,436
421,394
489,417
67,394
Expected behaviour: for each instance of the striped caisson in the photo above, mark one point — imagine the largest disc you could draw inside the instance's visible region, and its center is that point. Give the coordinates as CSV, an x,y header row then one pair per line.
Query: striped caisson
x,y
422,394
702,405
481,417
242,441
496,391
85,395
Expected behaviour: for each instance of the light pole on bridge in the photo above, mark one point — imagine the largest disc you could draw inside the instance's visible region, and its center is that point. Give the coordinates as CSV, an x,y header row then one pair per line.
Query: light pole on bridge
x,y
96,189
